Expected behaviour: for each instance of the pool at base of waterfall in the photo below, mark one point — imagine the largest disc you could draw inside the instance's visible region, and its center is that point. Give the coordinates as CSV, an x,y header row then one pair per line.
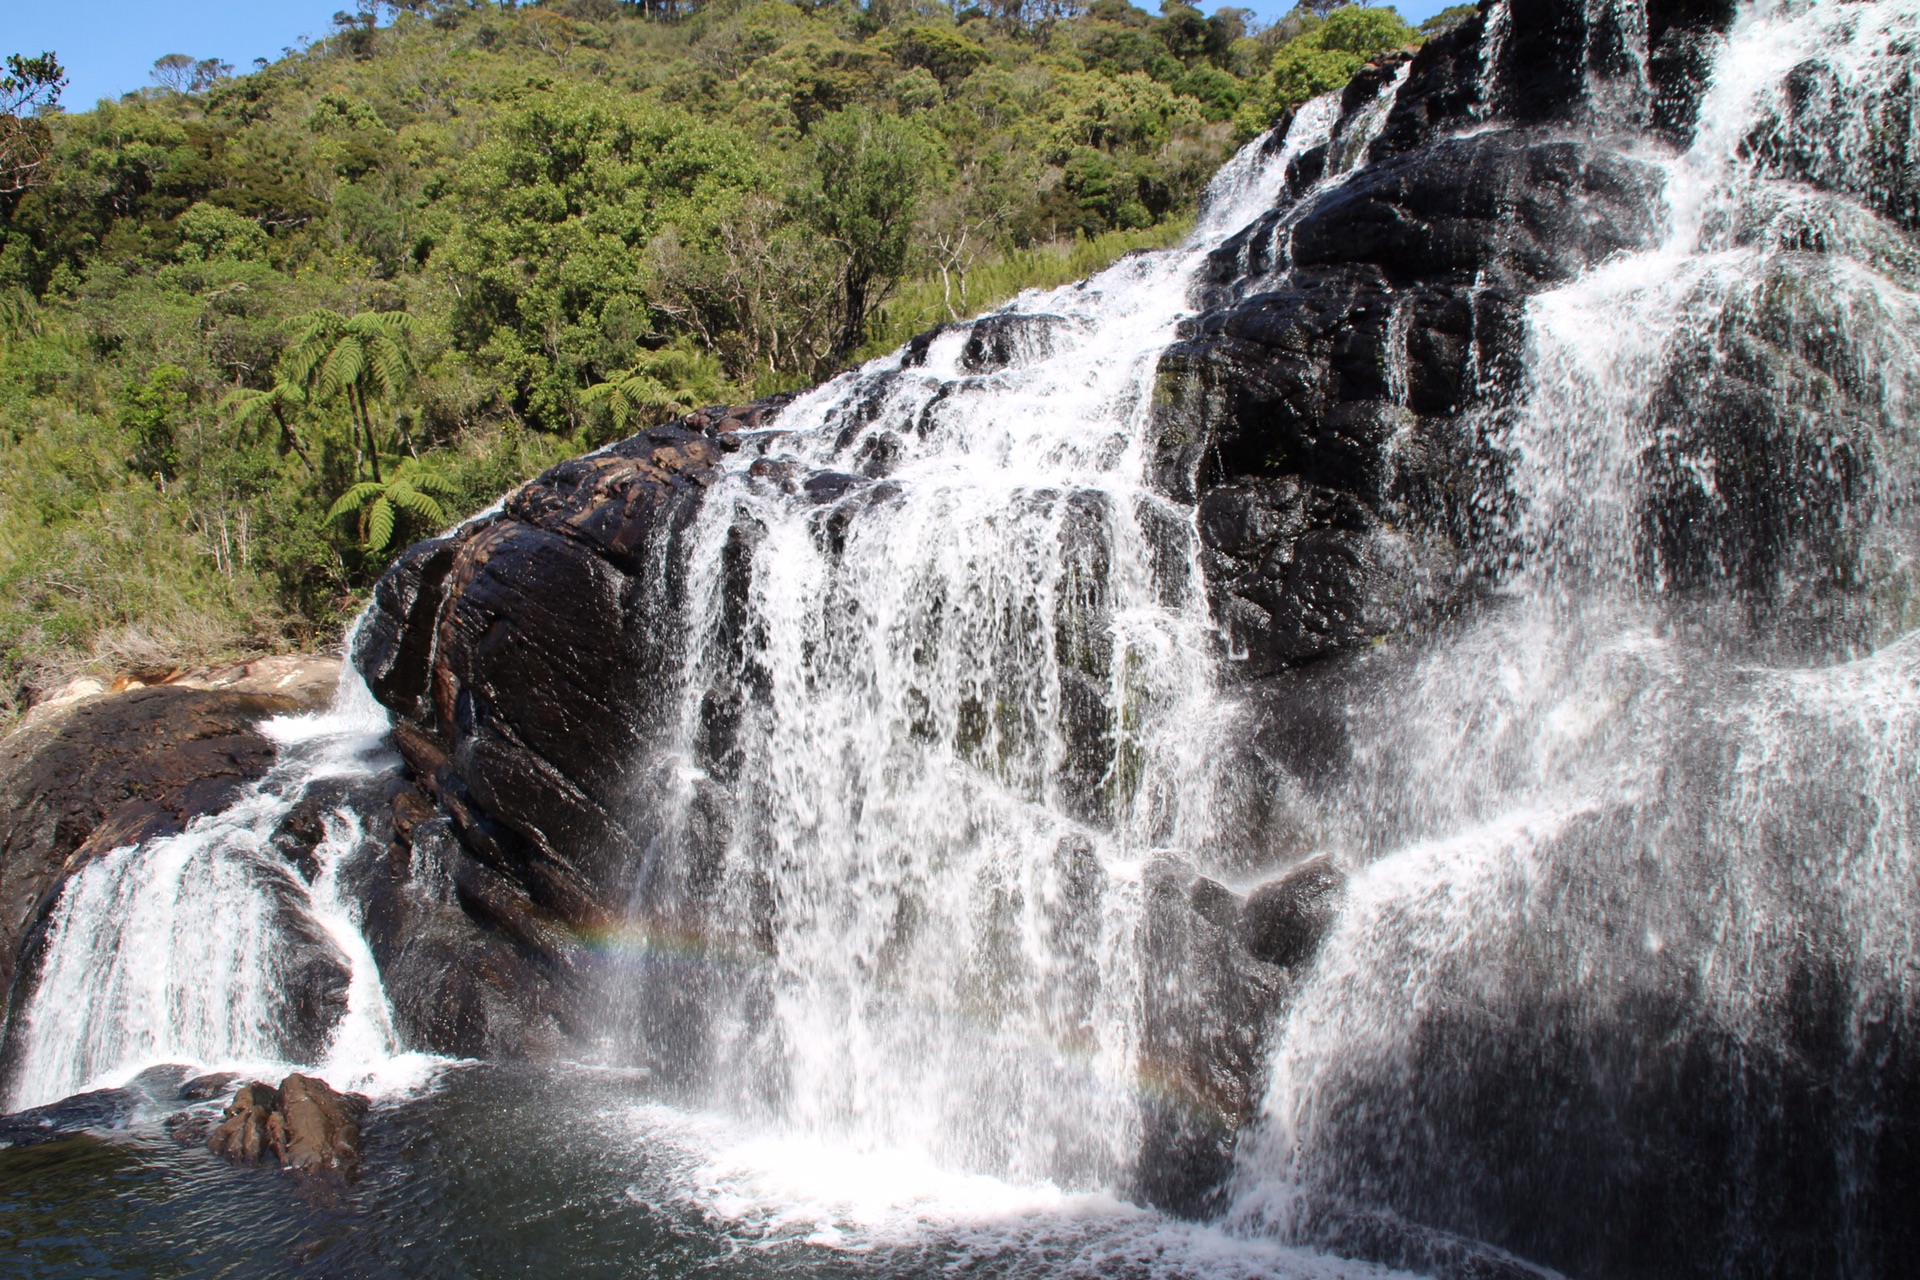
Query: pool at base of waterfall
x,y
580,1172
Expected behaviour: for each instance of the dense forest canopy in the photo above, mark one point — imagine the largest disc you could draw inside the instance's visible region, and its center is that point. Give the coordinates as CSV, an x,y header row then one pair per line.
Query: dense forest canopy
x,y
256,332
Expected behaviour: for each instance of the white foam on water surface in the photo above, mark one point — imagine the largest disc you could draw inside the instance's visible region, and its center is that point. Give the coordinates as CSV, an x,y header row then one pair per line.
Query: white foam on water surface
x,y
793,1191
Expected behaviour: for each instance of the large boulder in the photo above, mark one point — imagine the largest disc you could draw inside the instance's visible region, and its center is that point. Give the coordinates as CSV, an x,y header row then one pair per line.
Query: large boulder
x,y
1330,422
523,659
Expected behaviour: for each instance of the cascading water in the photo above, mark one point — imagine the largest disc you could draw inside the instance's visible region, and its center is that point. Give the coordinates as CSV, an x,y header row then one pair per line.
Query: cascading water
x,y
208,949
951,729
1628,953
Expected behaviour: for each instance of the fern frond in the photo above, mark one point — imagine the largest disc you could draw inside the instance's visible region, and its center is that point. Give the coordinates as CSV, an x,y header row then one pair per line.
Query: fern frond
x,y
387,365
432,482
354,499
380,523
415,503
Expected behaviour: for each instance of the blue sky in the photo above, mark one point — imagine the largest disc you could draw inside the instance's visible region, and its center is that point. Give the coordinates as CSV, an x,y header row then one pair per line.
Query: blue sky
x,y
109,46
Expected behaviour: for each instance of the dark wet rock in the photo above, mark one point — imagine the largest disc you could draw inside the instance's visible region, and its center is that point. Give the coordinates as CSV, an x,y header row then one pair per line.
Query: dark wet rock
x,y
162,1081
459,983
99,1109
243,1134
1285,920
1008,339
1407,1246
315,1130
114,769
189,1128
1767,458
298,835
208,1087
102,1109
1206,1007
1324,423
1681,35
831,486
523,659
387,648
311,994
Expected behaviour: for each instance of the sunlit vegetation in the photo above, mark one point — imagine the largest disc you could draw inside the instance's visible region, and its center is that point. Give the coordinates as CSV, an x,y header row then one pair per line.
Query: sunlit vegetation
x,y
258,331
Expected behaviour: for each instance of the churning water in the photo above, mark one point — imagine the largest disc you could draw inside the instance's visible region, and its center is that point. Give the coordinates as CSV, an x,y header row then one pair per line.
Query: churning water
x,y
196,948
945,720
1631,850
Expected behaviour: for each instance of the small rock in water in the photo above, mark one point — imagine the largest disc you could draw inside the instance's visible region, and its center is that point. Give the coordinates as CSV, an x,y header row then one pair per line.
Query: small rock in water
x,y
189,1128
242,1135
317,1129
204,1088
310,1127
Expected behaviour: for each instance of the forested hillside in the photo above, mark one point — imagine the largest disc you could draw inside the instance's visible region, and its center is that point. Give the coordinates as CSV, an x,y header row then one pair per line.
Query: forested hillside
x,y
258,331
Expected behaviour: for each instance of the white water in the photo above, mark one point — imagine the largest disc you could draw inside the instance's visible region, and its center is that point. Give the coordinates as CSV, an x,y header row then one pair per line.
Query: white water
x,y
178,950
971,712
767,1191
1617,832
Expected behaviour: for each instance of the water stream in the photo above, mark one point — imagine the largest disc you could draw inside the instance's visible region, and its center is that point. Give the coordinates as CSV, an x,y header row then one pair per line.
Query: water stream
x,y
200,948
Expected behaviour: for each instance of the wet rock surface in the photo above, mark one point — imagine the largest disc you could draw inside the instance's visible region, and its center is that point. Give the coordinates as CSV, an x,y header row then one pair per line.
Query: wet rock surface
x,y
1328,413
1207,1008
1285,920
242,1134
306,1125
522,657
1219,966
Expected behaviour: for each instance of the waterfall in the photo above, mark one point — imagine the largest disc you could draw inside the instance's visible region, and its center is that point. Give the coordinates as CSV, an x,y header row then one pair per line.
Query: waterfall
x,y
946,695
1631,928
1622,975
208,948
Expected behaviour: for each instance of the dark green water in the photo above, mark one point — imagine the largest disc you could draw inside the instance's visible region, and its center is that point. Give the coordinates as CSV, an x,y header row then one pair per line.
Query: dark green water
x,y
503,1172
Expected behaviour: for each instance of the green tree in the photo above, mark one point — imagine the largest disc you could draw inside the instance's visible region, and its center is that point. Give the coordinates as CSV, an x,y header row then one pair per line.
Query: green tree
x,y
280,405
661,384
1325,57
869,174
411,495
1447,19
556,213
364,359
30,87
208,231
152,416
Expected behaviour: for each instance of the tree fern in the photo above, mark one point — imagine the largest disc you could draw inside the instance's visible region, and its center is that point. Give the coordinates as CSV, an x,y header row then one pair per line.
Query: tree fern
x,y
379,508
364,359
661,384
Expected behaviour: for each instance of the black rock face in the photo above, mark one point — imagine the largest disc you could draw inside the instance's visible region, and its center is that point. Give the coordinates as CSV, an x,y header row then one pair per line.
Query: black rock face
x,y
1330,421
522,657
